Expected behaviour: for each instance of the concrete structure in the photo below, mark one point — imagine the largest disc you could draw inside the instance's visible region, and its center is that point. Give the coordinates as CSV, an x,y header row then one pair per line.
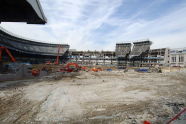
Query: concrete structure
x,y
26,50
93,57
159,57
16,71
132,56
178,57
29,11
119,57
122,54
123,49
140,49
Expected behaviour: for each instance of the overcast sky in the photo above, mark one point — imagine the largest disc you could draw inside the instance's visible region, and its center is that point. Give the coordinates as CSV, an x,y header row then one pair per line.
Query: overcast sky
x,y
100,24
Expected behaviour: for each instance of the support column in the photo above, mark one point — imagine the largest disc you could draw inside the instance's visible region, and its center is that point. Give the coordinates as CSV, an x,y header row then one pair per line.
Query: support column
x,y
76,58
1,54
97,57
90,59
83,58
104,59
79,58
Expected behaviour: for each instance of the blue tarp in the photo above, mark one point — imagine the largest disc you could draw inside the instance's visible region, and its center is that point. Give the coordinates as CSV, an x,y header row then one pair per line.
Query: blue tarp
x,y
109,69
142,70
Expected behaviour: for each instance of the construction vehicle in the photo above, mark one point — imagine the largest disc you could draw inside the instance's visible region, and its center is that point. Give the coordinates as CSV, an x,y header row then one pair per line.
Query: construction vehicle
x,y
84,68
96,69
35,72
70,67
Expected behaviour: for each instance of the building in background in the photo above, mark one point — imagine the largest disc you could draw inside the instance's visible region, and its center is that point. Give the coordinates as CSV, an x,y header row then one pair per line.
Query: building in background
x,y
92,57
140,51
122,54
159,57
178,57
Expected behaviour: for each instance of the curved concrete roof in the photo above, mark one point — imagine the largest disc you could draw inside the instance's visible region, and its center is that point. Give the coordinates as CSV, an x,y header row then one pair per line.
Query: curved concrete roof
x,y
29,11
24,45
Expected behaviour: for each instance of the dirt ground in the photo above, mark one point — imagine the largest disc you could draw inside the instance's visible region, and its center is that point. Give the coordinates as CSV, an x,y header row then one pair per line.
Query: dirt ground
x,y
94,97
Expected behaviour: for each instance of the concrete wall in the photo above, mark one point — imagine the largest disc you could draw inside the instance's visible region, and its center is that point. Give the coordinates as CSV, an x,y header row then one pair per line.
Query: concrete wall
x,y
21,72
166,61
93,57
177,53
24,71
177,63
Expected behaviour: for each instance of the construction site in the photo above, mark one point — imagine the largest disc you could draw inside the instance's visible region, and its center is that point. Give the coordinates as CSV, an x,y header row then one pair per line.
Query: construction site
x,y
52,83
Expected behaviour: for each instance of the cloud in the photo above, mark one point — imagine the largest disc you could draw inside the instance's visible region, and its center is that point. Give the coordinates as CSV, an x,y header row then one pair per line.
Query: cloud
x,y
168,30
99,24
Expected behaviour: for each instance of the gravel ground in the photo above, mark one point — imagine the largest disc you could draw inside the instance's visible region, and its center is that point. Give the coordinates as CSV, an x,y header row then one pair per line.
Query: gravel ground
x,y
94,97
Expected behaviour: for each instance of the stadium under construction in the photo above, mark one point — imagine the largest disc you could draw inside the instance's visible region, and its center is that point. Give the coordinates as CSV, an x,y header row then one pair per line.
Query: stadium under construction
x,y
35,52
125,54
30,51
50,83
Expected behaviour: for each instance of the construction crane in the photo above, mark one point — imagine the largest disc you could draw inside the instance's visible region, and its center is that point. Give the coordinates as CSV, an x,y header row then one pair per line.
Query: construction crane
x,y
8,52
57,58
56,62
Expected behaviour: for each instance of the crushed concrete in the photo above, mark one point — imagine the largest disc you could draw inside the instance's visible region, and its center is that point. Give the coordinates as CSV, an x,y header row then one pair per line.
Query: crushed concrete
x,y
95,97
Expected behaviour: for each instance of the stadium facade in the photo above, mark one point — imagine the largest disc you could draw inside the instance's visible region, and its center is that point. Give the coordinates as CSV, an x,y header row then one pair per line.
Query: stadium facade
x,y
178,57
26,50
